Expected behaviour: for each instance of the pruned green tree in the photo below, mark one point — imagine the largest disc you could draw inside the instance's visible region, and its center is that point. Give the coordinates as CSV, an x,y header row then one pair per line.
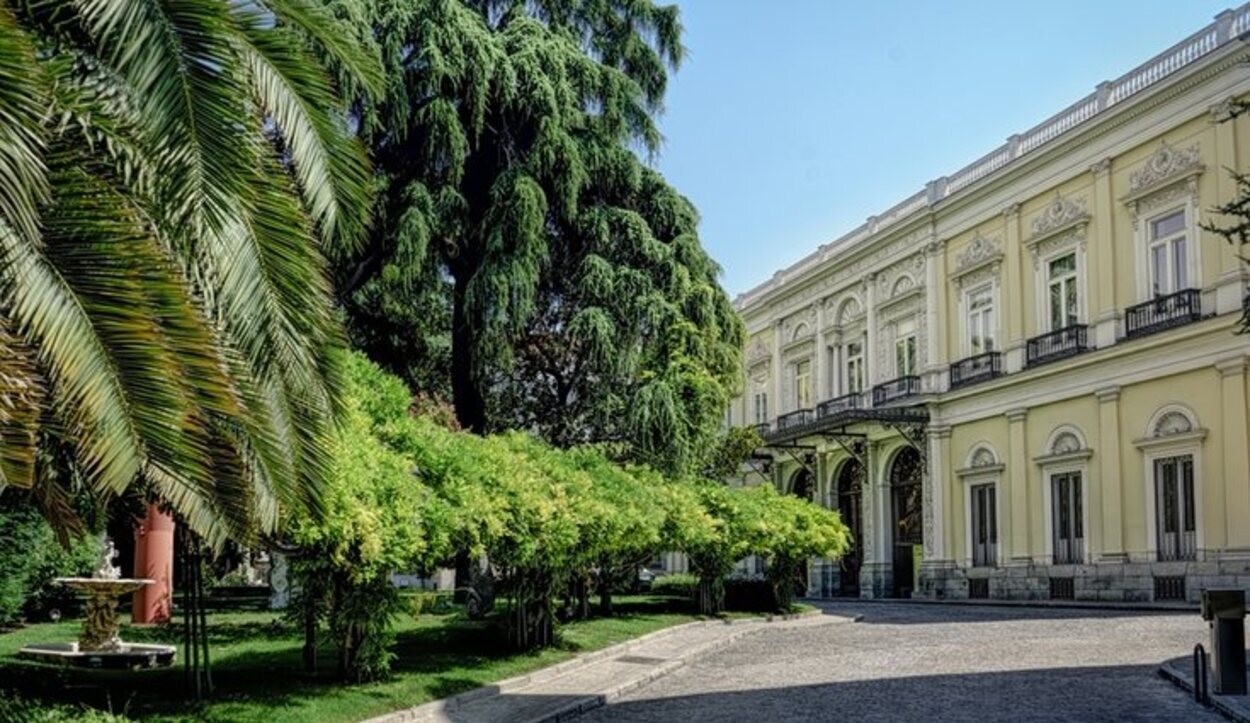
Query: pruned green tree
x,y
173,175
1233,224
578,301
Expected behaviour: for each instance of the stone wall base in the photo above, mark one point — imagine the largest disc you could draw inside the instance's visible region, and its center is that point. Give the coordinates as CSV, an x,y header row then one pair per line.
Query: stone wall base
x,y
1097,582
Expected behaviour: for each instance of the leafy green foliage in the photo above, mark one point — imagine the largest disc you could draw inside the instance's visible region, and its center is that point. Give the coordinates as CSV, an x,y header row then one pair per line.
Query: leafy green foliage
x,y
576,301
174,175
30,558
377,518
732,523
677,584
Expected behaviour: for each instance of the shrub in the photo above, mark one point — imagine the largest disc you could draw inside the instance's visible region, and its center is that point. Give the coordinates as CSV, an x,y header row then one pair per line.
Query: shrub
x,y
677,585
30,557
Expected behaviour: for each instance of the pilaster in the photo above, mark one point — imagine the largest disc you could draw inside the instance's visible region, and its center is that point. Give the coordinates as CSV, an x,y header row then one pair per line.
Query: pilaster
x,y
1018,480
1013,298
871,362
1230,284
1107,496
1236,462
820,357
935,314
776,406
1103,296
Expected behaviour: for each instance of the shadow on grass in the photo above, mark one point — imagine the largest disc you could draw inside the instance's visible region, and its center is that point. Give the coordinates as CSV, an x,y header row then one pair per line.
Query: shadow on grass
x,y
257,665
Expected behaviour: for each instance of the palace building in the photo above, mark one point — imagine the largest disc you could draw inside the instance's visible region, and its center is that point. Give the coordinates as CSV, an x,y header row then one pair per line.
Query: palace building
x,y
1024,381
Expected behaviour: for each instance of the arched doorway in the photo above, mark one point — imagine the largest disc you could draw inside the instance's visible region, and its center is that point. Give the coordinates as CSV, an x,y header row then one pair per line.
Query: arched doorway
x,y
849,489
906,494
802,484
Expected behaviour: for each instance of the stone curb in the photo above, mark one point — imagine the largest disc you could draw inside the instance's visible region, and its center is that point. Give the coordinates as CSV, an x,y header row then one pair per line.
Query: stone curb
x,y
1042,604
1218,704
427,711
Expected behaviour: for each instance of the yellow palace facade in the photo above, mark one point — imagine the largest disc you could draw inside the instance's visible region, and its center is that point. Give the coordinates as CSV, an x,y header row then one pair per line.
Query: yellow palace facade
x,y
1023,381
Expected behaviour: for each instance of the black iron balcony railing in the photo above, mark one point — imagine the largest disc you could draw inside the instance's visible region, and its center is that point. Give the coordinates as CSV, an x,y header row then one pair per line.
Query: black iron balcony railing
x,y
895,389
1163,312
795,418
979,368
844,403
1058,344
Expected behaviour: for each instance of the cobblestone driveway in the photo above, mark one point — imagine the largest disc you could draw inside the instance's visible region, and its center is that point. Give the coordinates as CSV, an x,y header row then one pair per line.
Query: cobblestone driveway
x,y
907,662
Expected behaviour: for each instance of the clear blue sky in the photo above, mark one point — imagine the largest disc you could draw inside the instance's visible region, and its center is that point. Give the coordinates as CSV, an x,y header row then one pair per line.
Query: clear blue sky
x,y
792,121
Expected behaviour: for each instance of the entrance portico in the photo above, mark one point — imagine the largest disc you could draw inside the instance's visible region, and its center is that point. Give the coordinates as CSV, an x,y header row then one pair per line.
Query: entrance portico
x,y
869,465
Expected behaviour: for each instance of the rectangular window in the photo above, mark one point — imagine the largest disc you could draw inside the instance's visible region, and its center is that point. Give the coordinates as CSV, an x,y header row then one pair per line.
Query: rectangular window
x,y
905,356
1064,303
1174,508
761,408
854,368
980,321
1169,255
984,526
1067,516
803,384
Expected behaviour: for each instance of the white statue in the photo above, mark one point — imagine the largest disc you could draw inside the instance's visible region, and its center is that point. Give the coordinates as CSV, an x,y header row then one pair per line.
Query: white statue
x,y
107,570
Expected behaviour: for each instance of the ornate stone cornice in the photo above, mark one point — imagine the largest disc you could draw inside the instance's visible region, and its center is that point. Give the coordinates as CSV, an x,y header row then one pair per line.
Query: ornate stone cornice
x,y
1101,168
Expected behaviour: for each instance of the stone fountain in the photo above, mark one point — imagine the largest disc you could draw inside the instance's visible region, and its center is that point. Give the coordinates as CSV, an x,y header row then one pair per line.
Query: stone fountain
x,y
99,645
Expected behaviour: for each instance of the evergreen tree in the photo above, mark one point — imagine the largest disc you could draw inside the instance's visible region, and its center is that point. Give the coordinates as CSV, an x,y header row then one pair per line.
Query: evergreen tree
x,y
575,298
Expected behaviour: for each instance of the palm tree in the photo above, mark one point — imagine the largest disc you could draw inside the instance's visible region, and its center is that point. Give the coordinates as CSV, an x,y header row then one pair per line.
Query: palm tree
x,y
173,174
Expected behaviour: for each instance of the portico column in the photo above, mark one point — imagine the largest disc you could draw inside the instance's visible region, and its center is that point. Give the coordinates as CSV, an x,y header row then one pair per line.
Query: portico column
x,y
1107,495
1018,479
1236,461
939,454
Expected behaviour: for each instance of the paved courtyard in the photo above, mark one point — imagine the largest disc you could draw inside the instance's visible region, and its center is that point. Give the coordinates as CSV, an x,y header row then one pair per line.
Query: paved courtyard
x,y
908,662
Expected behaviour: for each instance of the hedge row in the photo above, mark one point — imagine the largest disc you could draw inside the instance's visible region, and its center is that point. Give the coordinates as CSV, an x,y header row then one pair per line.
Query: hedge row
x,y
538,522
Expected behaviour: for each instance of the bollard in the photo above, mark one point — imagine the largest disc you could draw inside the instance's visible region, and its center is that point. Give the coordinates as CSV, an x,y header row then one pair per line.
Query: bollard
x,y
1202,692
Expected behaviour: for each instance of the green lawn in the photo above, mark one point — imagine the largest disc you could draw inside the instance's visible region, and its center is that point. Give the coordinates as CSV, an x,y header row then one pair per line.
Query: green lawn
x,y
258,671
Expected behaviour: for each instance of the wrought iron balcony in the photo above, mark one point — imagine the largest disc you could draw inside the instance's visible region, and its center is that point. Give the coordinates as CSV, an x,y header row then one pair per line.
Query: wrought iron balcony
x,y
895,389
974,369
844,403
796,418
1058,344
1163,312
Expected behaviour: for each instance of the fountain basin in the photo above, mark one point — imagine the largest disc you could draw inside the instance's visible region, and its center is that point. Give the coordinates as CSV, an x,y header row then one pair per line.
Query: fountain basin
x,y
130,656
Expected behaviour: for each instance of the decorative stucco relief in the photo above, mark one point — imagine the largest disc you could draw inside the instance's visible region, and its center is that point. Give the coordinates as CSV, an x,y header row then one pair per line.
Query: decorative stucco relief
x,y
1166,163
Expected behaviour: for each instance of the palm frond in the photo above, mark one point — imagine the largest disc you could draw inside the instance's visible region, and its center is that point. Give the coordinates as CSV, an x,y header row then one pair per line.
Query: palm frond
x,y
23,184
329,164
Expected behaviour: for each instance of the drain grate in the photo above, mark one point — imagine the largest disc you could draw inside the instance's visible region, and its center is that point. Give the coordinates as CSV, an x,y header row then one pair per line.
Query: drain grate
x,y
641,660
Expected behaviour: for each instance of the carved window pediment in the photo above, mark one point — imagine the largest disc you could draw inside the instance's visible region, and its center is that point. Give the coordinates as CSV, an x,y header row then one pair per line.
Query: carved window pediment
x,y
1167,165
1062,223
979,260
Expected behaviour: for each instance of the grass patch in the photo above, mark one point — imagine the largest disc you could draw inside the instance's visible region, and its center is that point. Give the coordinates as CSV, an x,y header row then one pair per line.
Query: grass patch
x,y
258,671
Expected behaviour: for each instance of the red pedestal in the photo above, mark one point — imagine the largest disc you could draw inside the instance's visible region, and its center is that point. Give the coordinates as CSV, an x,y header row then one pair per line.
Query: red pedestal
x,y
154,559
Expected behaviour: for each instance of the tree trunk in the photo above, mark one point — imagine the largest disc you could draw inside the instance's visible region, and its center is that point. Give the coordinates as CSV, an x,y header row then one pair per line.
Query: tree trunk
x,y
466,395
711,595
